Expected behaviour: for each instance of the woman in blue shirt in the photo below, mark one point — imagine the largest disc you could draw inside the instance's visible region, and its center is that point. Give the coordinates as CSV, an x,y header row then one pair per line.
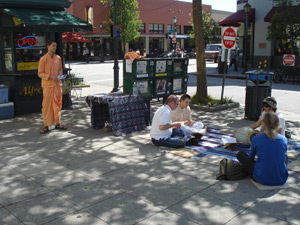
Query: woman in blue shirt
x,y
269,167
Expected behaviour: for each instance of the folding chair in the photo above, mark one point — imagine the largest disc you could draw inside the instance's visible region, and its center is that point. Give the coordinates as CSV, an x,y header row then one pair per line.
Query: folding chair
x,y
76,90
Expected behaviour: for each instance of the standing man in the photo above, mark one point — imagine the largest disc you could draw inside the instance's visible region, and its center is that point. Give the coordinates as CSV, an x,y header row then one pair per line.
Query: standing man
x,y
86,53
49,68
233,59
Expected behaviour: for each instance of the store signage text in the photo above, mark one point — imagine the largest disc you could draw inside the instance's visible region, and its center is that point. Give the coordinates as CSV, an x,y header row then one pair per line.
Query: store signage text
x,y
30,90
27,42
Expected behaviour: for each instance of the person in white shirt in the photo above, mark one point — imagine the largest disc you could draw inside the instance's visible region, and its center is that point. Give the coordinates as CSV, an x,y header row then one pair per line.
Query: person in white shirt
x,y
162,129
183,112
270,105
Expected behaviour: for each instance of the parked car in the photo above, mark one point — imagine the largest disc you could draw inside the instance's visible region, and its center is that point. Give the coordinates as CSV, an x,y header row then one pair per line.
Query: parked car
x,y
212,52
192,54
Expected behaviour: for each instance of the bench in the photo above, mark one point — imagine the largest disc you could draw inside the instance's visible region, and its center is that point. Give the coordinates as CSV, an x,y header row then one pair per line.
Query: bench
x,y
77,86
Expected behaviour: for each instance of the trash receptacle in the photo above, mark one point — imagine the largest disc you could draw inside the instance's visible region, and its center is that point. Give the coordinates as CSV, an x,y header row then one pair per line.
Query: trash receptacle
x,y
258,87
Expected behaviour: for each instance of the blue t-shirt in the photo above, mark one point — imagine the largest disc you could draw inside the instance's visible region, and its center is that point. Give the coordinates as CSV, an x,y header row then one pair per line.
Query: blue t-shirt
x,y
270,167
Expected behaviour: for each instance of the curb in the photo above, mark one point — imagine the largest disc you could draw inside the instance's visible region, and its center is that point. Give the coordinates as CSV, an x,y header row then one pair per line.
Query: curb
x,y
221,76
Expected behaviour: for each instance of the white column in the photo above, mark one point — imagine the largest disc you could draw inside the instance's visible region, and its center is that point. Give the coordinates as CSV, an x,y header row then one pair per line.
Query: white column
x,y
147,45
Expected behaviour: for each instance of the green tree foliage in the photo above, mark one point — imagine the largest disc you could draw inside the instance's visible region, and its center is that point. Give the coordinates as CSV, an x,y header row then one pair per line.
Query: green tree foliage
x,y
128,17
285,24
200,47
209,29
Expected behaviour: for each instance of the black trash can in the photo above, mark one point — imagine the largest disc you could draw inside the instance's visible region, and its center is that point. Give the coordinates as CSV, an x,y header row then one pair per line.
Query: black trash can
x,y
258,87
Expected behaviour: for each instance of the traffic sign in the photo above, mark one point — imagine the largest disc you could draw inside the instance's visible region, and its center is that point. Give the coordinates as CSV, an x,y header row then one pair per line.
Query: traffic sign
x,y
289,60
229,37
174,39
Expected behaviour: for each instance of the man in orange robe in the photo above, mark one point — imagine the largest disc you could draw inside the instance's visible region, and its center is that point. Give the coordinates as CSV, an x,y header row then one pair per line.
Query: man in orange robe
x,y
132,55
50,67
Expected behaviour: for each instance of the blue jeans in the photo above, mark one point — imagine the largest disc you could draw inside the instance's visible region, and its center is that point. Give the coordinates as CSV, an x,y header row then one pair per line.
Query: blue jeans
x,y
175,141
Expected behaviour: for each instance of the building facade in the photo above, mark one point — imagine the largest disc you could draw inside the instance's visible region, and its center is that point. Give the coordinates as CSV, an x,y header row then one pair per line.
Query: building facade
x,y
259,48
157,25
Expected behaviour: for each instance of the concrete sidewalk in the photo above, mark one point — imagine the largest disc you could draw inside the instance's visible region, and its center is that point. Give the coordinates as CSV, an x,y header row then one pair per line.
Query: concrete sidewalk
x,y
87,176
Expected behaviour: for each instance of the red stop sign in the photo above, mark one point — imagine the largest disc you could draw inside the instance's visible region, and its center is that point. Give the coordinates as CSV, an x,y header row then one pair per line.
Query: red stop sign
x,y
174,39
229,38
289,60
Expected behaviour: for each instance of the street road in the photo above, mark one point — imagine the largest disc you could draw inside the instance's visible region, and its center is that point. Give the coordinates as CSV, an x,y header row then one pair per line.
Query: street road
x,y
287,95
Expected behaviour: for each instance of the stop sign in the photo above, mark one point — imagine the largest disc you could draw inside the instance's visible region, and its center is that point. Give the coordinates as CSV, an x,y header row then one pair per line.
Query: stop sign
x,y
229,38
289,60
174,39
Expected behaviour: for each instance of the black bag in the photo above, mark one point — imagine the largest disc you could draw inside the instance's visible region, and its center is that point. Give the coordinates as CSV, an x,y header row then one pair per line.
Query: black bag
x,y
230,170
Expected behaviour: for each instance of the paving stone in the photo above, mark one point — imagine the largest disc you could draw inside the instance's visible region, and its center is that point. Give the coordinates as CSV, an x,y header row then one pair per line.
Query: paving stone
x,y
166,194
123,209
78,218
240,192
280,206
206,209
126,179
35,167
249,217
60,179
97,167
19,189
85,194
41,209
7,218
166,217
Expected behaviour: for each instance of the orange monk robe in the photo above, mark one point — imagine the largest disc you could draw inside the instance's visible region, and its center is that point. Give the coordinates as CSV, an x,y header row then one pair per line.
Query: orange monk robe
x,y
52,88
132,56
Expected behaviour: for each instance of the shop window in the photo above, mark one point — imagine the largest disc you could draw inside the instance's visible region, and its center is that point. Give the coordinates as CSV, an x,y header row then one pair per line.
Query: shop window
x,y
142,28
156,28
187,29
29,49
7,53
170,28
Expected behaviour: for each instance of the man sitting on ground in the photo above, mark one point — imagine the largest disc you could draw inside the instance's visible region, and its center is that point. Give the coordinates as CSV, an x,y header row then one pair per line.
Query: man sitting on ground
x,y
166,133
183,112
269,105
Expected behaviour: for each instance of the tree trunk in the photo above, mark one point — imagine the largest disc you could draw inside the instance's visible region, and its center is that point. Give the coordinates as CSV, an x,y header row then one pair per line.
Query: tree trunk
x,y
200,47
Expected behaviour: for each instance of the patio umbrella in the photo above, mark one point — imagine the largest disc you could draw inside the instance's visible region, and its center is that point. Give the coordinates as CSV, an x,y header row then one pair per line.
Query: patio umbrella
x,y
73,37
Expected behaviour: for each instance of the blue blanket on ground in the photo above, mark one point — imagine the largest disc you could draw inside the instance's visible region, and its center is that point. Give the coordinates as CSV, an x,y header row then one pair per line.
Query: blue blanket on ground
x,y
211,144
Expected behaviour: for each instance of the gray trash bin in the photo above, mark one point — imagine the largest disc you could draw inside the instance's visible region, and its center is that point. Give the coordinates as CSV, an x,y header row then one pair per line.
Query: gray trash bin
x,y
258,87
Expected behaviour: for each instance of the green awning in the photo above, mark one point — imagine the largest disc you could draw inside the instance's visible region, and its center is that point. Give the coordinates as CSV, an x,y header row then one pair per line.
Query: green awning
x,y
47,18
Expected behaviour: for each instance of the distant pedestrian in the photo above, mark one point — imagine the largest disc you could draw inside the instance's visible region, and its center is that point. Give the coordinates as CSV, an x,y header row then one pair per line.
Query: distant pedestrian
x,y
233,59
86,53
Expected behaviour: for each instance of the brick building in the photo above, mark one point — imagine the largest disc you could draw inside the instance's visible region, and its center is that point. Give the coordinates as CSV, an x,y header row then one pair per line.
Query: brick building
x,y
157,20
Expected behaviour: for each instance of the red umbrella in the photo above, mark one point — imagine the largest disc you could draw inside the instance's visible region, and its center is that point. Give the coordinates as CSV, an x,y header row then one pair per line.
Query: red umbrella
x,y
73,37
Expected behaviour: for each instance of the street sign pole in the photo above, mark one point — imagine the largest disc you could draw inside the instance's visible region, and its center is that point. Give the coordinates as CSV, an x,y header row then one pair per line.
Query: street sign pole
x,y
229,40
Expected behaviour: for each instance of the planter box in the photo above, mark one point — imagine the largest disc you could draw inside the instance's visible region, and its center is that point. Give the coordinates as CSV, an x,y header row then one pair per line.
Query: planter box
x,y
216,108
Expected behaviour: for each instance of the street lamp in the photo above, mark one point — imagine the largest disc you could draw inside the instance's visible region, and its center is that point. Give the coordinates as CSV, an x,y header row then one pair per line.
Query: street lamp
x,y
116,63
175,31
101,44
247,8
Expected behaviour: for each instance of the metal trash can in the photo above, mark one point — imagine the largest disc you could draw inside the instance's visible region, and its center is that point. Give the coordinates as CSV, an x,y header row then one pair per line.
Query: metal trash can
x,y
258,87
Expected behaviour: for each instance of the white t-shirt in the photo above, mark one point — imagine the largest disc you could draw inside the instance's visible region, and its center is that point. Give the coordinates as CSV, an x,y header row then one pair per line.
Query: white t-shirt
x,y
281,120
161,117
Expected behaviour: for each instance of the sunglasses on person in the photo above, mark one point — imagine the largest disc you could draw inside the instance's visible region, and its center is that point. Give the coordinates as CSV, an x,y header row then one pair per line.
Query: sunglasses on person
x,y
266,105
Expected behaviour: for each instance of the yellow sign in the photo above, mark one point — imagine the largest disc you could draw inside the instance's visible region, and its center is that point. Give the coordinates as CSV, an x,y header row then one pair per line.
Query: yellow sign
x,y
30,91
27,66
161,75
16,21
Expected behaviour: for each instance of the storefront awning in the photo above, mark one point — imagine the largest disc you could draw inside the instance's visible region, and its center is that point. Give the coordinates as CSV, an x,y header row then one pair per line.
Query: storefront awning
x,y
47,18
73,37
238,17
291,11
178,36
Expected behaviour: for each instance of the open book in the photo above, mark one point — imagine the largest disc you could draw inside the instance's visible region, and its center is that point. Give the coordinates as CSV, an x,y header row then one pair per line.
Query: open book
x,y
228,141
61,76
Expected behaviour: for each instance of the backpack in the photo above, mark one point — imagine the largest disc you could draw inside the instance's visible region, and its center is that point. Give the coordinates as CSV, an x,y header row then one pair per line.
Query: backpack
x,y
230,170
